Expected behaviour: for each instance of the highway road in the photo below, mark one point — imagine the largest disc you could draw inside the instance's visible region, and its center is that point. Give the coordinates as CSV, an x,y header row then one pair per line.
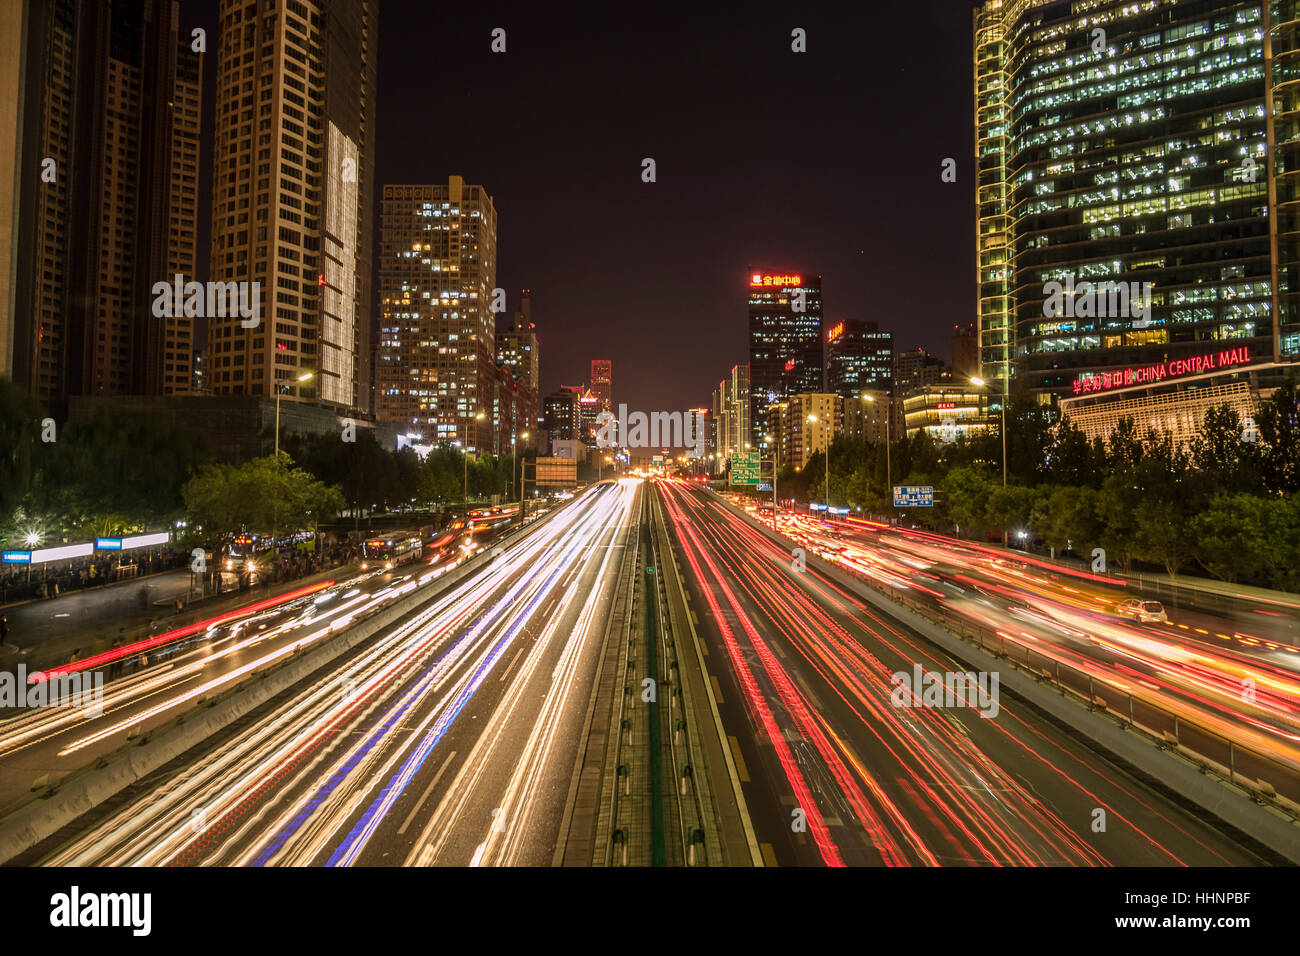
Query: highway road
x,y
448,738
153,679
1212,671
839,763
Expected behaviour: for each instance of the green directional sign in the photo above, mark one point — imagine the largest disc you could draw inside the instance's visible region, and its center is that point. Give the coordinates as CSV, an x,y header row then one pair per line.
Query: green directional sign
x,y
745,468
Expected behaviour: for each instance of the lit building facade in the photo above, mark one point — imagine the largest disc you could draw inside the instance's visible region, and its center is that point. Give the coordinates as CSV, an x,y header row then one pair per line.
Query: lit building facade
x,y
916,368
560,416
785,341
812,421
858,356
947,412
1123,191
602,383
517,350
437,362
866,417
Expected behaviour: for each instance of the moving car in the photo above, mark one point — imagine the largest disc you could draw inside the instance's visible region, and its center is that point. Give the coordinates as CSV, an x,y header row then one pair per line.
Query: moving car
x,y
1143,611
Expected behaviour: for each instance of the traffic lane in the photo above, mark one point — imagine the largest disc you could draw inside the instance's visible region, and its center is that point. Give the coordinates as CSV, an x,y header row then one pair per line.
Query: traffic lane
x,y
873,762
1272,636
263,768
60,740
1090,786
386,829
501,800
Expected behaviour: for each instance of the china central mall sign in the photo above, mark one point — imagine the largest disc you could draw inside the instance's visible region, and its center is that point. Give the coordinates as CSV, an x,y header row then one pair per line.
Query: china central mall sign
x,y
1151,374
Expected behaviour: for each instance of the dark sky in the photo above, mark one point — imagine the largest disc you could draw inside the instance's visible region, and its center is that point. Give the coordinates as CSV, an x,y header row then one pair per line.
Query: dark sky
x,y
825,162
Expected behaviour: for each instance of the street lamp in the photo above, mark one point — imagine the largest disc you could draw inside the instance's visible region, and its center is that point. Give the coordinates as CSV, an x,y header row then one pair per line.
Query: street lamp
x,y
301,378
771,441
523,436
889,469
813,419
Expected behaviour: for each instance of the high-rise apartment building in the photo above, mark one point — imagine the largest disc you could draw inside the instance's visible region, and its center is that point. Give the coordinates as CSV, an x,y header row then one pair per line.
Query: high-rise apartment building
x,y
916,368
785,341
722,423
812,421
731,409
182,239
1124,172
99,107
602,375
858,356
437,345
291,206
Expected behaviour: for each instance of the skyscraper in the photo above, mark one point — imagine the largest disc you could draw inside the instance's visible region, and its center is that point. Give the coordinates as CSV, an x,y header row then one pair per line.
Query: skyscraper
x,y
517,350
602,374
858,356
437,275
1123,188
561,416
295,133
785,341
99,106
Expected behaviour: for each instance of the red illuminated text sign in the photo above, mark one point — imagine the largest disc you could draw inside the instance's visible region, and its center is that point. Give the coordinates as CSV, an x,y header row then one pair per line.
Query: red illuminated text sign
x,y
943,405
1147,374
835,332
759,280
789,366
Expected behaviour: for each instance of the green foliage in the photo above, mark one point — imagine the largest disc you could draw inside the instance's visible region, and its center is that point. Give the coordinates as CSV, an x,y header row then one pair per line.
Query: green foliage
x,y
263,496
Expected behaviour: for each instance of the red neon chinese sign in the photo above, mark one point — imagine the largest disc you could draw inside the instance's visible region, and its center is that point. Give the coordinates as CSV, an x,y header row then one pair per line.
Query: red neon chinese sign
x,y
835,332
944,405
789,366
759,280
1150,374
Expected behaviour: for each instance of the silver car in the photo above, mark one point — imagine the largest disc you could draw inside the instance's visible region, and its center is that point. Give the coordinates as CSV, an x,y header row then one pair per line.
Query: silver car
x,y
1143,611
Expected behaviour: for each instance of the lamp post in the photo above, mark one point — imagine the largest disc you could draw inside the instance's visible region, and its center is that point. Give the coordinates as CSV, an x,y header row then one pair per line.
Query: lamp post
x,y
524,436
478,418
771,441
889,468
301,378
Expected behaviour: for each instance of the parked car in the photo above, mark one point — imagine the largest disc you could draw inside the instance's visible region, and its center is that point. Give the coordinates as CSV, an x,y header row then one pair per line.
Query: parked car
x,y
1143,611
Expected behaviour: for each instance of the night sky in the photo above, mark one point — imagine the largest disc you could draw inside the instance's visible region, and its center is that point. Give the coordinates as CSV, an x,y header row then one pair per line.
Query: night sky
x,y
825,162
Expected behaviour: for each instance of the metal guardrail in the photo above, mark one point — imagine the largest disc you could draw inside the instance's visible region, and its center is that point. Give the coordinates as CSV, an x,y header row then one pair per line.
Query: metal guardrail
x,y
1269,780
681,742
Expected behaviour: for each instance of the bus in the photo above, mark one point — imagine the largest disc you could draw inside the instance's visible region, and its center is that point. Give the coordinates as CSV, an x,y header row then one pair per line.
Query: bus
x,y
248,552
388,553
